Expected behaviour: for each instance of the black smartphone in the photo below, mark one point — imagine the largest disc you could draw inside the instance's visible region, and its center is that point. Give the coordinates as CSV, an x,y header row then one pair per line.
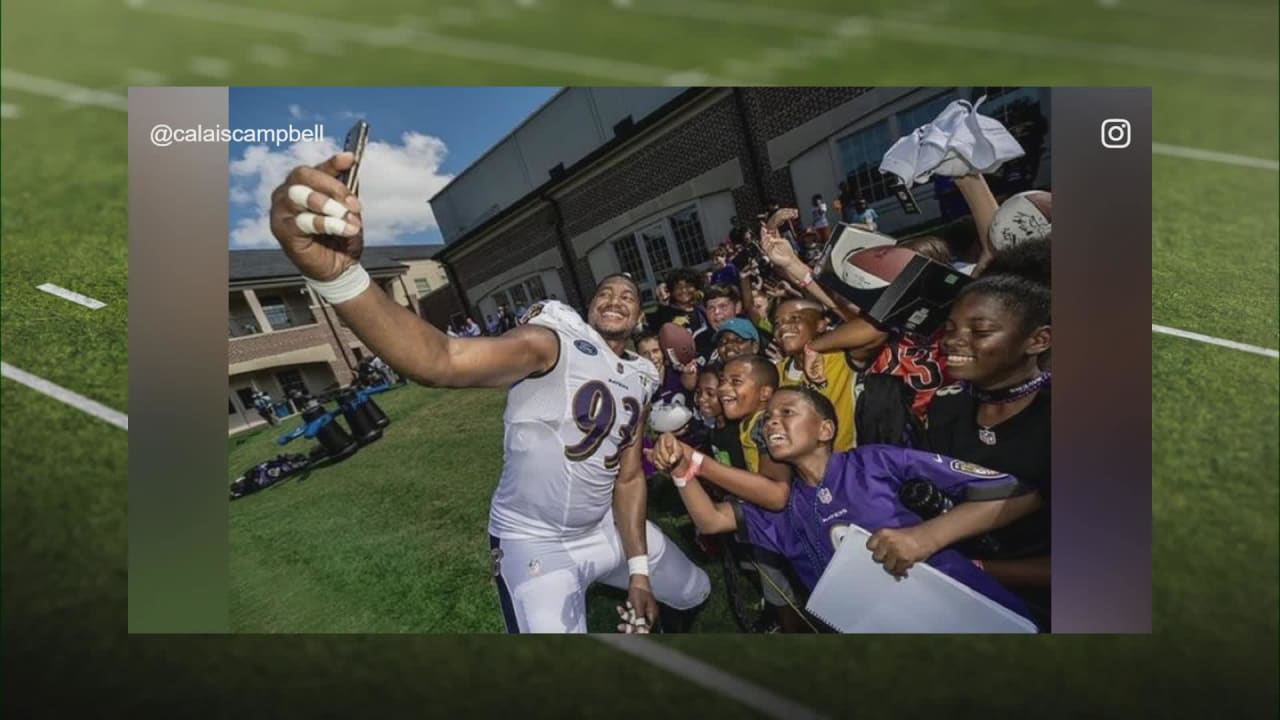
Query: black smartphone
x,y
357,139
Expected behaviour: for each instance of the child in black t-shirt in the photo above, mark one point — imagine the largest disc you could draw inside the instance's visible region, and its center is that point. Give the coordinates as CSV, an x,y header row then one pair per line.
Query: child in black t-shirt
x,y
998,415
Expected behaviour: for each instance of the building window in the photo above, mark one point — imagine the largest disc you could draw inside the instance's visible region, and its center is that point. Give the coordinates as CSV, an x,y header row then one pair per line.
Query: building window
x,y
656,249
423,285
276,311
925,112
629,258
291,380
676,238
240,317
536,289
1020,111
500,299
690,241
517,295
231,407
246,397
242,324
860,156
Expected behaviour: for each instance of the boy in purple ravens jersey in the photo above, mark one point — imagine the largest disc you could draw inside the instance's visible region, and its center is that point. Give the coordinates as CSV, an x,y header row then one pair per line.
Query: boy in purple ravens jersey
x,y
831,490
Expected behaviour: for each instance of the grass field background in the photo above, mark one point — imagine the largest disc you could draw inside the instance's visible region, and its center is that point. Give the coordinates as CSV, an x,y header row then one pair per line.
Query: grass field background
x,y
63,194
305,557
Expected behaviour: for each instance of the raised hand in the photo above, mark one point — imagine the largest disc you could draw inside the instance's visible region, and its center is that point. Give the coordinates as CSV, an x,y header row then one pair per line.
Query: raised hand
x,y
815,369
317,221
777,248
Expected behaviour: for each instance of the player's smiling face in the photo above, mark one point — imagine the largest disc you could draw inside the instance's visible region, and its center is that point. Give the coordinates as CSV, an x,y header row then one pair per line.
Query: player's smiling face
x,y
793,428
796,324
985,344
615,309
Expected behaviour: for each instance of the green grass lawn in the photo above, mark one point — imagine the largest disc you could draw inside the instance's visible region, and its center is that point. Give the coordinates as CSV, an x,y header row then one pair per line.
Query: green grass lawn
x,y
395,538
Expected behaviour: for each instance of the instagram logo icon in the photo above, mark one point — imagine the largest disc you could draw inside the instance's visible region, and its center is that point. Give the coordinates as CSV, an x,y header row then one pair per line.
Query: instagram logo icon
x,y
1115,133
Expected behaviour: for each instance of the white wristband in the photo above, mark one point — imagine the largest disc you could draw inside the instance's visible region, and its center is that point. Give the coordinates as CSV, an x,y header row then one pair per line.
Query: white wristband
x,y
638,565
353,281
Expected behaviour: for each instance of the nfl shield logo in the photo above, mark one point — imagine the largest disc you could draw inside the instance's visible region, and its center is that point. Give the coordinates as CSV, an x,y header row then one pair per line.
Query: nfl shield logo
x,y
824,496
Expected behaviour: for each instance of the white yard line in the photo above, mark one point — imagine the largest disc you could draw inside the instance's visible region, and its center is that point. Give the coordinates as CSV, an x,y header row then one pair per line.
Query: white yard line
x,y
1242,347
63,395
213,67
428,43
138,77
269,55
9,111
15,80
763,701
1214,156
949,36
74,297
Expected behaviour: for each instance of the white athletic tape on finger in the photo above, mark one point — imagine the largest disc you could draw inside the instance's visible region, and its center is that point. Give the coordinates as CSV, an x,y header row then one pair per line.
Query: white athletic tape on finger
x,y
306,222
299,194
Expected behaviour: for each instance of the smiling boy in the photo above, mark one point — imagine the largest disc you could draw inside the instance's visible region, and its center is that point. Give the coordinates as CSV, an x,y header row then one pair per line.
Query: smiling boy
x,y
798,322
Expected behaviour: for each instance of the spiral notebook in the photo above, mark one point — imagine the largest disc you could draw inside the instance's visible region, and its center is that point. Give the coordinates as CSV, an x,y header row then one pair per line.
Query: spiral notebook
x,y
856,595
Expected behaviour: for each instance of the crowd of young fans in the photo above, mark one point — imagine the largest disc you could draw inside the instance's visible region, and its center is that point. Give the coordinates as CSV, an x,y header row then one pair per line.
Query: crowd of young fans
x,y
797,393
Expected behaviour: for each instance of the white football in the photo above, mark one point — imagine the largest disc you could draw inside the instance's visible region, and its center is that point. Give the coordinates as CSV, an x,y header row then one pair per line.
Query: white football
x,y
1025,216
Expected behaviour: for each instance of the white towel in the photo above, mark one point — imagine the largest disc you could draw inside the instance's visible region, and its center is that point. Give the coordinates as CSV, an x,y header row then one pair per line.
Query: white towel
x,y
958,142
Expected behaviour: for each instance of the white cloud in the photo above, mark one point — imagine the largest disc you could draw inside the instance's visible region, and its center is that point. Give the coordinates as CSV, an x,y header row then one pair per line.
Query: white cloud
x,y
295,111
241,196
395,183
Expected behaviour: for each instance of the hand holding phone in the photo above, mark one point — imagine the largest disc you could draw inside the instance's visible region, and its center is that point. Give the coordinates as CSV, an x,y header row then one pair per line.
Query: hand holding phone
x,y
315,215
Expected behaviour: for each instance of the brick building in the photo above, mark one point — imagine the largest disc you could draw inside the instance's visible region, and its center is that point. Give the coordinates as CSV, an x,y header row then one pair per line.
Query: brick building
x,y
282,337
601,180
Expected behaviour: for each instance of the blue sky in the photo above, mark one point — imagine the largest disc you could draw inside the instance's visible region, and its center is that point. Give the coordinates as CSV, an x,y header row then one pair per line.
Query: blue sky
x,y
419,139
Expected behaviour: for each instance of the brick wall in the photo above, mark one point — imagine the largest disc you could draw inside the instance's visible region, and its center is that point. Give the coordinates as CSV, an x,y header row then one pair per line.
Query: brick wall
x,y
439,305
257,347
770,113
529,238
714,136
701,143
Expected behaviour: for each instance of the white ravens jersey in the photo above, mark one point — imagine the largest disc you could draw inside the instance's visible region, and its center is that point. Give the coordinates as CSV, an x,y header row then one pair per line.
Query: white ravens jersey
x,y
566,430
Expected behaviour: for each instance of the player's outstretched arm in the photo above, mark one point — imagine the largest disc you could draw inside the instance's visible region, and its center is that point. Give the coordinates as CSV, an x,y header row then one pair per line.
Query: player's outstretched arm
x,y
418,350
317,222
